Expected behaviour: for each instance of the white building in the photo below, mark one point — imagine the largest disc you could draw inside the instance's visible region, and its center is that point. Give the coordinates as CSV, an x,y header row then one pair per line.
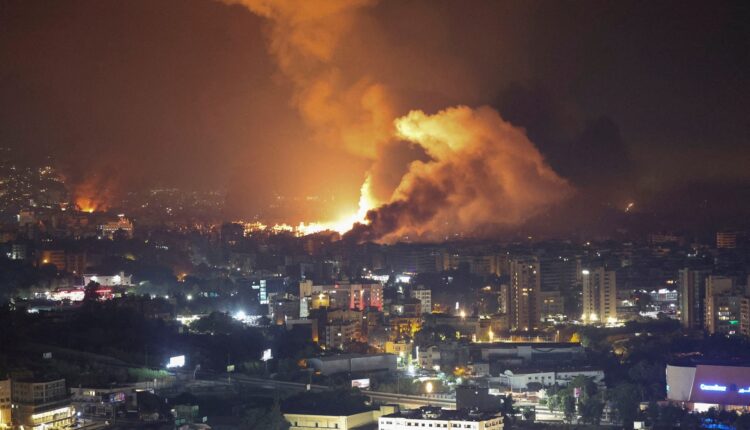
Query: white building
x,y
115,280
520,379
425,298
432,417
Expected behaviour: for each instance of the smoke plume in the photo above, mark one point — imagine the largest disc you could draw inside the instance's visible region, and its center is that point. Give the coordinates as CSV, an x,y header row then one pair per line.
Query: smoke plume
x,y
483,174
472,171
352,114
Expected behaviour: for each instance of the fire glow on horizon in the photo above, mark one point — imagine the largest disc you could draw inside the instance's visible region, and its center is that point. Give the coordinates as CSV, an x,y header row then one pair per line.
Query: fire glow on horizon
x,y
341,225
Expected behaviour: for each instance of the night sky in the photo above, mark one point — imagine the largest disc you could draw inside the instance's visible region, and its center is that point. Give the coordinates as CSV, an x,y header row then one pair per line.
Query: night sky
x,y
626,100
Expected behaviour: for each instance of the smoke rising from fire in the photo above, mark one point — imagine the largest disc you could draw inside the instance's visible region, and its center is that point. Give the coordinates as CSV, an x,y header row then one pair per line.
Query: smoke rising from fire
x,y
483,174
355,115
480,172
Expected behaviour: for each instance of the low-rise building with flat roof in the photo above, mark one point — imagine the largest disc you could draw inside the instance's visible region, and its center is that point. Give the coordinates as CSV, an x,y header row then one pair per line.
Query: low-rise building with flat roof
x,y
432,417
41,405
343,363
334,417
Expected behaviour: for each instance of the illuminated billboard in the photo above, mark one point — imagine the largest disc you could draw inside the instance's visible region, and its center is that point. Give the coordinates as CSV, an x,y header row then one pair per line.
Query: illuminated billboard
x,y
266,355
709,384
362,384
177,361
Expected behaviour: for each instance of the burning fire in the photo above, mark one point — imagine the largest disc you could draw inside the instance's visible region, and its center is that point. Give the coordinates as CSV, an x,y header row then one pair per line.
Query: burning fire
x,y
86,204
346,222
341,225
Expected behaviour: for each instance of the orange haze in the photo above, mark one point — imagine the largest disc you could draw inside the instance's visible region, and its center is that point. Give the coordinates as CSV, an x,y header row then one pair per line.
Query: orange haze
x,y
482,173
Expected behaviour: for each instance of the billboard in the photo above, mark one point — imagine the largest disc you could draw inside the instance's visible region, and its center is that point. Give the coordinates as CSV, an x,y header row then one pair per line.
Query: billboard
x,y
117,397
362,384
177,361
710,384
266,355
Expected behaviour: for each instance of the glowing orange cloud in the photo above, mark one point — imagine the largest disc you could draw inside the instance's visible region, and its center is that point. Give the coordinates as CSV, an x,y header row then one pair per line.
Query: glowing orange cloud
x,y
483,174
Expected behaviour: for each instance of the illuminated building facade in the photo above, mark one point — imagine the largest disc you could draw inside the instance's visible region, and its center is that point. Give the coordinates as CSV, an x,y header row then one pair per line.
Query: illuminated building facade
x,y
435,417
599,296
41,405
5,404
726,239
324,419
552,305
745,316
341,295
701,386
116,280
525,286
424,296
122,225
722,305
72,262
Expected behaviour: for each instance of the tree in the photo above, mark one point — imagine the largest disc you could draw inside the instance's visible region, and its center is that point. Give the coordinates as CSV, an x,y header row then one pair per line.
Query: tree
x,y
529,414
568,403
649,376
89,292
625,401
265,419
507,408
216,323
591,409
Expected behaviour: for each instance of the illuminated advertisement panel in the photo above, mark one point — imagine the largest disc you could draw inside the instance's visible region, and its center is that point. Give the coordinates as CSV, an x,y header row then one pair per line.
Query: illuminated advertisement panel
x,y
710,384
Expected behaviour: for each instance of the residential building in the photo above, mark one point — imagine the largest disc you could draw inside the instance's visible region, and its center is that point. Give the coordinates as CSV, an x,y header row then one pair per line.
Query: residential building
x,y
722,305
726,239
524,291
599,296
71,262
424,296
552,306
692,285
745,316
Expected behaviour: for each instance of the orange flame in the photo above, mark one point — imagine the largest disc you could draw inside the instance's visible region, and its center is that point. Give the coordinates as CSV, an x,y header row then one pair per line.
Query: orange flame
x,y
86,204
345,222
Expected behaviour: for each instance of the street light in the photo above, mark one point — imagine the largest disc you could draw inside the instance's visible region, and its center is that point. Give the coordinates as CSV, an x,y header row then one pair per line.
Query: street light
x,y
428,387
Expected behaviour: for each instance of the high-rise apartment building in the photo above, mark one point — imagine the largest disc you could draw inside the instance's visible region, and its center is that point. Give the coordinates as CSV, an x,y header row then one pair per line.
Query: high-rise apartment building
x,y
525,286
692,285
723,304
599,296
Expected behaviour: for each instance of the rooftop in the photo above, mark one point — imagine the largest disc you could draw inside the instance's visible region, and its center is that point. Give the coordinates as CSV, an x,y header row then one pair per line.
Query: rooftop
x,y
435,413
347,356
